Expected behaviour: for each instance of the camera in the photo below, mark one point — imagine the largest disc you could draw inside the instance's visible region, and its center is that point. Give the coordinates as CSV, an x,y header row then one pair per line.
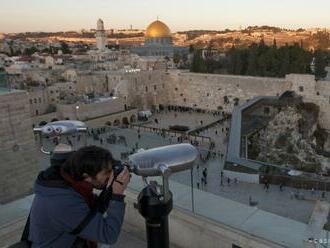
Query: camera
x,y
118,167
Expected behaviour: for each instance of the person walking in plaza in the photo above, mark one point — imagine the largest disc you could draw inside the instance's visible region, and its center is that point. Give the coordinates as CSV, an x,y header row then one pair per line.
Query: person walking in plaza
x,y
228,181
204,173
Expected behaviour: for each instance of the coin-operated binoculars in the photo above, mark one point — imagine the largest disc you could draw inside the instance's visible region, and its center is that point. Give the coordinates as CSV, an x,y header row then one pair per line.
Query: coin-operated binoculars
x,y
55,130
155,205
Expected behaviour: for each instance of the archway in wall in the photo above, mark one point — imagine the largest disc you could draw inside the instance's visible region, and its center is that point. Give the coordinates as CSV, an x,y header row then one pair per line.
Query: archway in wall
x,y
116,122
108,123
125,121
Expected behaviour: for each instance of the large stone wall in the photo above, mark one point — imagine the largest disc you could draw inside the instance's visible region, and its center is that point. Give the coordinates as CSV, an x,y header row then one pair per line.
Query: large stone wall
x,y
214,91
18,156
317,92
81,111
208,91
145,89
113,119
323,87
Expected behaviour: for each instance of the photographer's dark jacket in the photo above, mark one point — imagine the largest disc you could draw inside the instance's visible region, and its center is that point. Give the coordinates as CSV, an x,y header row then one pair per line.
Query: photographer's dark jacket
x,y
57,209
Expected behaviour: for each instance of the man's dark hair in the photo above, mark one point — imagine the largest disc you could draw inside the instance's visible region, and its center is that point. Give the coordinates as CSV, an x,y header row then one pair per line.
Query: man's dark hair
x,y
90,160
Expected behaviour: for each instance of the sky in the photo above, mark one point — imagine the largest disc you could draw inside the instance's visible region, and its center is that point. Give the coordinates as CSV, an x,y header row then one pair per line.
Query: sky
x,y
179,15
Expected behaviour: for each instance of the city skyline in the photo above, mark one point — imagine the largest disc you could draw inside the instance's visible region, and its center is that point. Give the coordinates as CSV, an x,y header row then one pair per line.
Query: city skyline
x,y
38,15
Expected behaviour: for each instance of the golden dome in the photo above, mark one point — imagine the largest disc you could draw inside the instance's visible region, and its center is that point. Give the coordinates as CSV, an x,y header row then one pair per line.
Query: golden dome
x,y
158,29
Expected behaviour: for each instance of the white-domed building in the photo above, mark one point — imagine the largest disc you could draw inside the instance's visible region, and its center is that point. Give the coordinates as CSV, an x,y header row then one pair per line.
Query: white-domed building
x,y
158,42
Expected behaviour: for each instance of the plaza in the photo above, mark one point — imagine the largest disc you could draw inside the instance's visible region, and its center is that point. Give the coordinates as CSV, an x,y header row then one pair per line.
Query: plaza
x,y
282,203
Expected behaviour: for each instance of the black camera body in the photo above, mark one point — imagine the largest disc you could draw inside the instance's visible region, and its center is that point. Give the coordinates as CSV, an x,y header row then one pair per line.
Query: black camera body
x,y
118,167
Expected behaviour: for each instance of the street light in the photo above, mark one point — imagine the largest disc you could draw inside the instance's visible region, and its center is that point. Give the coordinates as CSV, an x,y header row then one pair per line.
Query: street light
x,y
77,108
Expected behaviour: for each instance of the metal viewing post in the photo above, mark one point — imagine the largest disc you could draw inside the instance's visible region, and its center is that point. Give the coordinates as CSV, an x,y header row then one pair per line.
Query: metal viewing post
x,y
155,204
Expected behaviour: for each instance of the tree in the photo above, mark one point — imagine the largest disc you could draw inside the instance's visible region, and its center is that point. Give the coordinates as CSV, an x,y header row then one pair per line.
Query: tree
x,y
191,49
274,43
65,48
320,64
235,61
284,61
45,50
30,51
323,40
198,64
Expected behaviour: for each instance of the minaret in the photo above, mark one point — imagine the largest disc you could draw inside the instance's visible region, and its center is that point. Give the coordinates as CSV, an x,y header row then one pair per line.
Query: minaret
x,y
101,37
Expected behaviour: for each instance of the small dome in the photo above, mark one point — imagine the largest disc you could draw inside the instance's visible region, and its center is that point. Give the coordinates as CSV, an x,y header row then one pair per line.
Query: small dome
x,y
158,29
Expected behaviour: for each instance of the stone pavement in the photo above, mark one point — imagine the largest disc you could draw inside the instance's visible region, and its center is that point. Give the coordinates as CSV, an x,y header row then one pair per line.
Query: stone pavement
x,y
218,134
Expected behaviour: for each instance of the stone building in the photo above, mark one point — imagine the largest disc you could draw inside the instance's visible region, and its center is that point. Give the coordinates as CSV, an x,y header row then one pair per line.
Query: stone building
x,y
39,101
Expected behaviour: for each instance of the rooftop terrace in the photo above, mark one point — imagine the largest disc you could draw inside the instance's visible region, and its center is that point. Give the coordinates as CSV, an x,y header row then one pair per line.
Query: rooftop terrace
x,y
276,215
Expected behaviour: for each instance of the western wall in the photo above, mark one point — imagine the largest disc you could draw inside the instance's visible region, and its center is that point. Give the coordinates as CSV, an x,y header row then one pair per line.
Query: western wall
x,y
217,92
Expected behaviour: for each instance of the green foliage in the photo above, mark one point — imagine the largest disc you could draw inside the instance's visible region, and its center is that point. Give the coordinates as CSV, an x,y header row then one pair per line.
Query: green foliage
x,y
191,49
259,60
45,50
323,40
65,48
320,64
198,64
30,51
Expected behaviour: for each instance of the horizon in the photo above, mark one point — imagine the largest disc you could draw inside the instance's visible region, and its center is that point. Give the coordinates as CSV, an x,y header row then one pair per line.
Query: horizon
x,y
71,15
177,31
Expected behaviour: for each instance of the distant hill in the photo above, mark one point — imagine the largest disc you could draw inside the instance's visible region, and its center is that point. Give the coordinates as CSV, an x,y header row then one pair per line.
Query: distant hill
x,y
309,39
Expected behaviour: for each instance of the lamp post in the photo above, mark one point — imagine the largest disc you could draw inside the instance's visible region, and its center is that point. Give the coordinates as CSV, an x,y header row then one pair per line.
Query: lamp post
x,y
77,108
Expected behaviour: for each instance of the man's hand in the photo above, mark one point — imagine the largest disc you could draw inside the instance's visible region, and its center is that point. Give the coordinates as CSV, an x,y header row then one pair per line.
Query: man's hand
x,y
121,182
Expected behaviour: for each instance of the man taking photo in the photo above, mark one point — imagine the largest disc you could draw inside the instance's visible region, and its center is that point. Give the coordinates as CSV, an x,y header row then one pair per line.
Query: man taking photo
x,y
66,213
